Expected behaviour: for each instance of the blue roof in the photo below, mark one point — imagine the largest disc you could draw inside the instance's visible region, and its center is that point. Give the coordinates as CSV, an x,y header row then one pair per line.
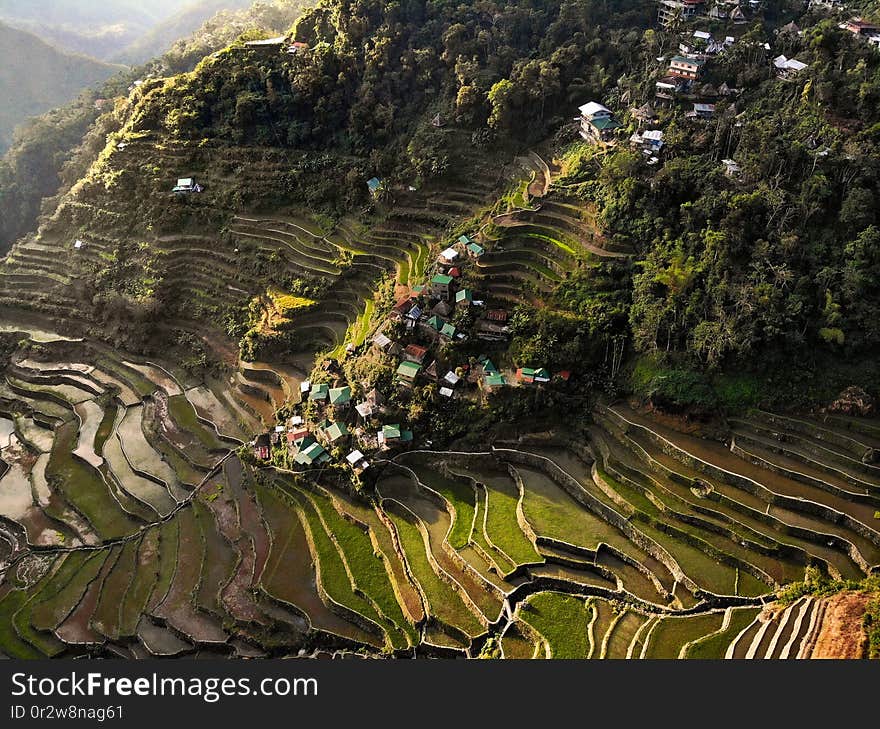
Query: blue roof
x,y
374,184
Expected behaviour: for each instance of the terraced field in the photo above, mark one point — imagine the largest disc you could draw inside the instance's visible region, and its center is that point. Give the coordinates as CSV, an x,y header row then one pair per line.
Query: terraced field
x,y
131,527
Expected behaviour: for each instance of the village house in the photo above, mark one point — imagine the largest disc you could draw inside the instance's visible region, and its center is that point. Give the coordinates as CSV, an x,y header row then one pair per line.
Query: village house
x,y
415,353
448,256
266,42
441,308
437,121
340,397
374,185
297,47
857,26
464,296
475,250
371,406
447,330
731,168
644,114
701,111
493,380
788,67
597,123
670,12
262,446
382,342
440,285
408,372
320,393
685,68
297,436
357,461
667,87
187,184
391,435
446,391
435,324
311,454
649,142
451,379
455,272
529,376
402,308
335,433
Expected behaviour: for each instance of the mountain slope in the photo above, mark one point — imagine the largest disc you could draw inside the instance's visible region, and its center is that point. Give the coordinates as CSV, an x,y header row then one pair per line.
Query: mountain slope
x,y
34,77
181,24
96,29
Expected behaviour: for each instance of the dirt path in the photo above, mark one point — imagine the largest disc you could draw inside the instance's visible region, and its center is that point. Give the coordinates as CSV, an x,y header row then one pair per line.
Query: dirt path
x,y
841,634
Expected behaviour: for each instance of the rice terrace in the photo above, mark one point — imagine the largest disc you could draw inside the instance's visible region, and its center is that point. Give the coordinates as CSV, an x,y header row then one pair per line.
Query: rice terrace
x,y
290,370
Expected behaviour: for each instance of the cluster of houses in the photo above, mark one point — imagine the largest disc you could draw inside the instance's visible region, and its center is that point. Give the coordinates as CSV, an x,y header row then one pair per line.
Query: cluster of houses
x,y
338,421
672,12
869,32
278,43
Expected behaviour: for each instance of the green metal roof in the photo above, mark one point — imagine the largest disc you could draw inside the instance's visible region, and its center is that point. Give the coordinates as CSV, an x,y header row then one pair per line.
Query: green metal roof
x,y
489,366
448,330
435,322
442,279
464,239
605,122
476,249
464,295
409,369
495,380
319,392
336,431
340,395
691,61
391,431
307,456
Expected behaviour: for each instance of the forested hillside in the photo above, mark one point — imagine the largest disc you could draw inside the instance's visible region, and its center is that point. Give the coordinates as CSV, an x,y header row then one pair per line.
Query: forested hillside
x,y
179,26
97,29
34,78
32,168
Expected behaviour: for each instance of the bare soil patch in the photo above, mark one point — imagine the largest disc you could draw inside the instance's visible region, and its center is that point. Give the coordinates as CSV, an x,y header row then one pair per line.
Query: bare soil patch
x,y
841,634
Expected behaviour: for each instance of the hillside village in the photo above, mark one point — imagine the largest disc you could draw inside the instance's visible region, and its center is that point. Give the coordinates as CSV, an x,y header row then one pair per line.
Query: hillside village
x,y
339,421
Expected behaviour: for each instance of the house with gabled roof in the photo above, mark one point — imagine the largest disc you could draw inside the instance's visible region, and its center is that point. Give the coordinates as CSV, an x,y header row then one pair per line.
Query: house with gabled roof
x,y
335,432
464,296
415,353
440,285
312,455
597,123
447,330
408,371
493,380
340,396
475,250
391,435
320,393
